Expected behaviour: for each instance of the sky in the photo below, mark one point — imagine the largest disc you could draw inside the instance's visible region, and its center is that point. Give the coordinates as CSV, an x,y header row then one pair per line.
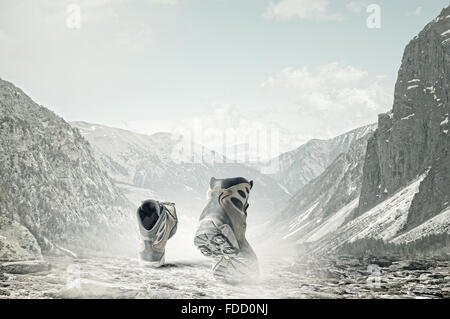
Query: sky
x,y
312,68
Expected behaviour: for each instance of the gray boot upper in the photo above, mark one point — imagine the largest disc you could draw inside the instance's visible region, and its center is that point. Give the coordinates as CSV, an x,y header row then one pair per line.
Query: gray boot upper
x,y
157,223
227,204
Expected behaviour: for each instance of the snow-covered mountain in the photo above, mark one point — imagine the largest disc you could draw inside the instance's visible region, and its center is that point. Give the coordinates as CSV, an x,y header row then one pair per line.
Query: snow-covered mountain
x,y
298,167
226,130
149,163
324,204
50,184
398,187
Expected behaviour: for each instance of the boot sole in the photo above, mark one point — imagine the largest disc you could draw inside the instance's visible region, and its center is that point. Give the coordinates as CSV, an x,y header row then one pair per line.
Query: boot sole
x,y
153,264
213,240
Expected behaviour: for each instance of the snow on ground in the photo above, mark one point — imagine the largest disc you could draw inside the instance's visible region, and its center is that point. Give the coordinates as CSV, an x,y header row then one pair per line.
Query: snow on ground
x,y
187,273
115,277
408,117
332,223
298,223
383,221
387,218
284,189
439,224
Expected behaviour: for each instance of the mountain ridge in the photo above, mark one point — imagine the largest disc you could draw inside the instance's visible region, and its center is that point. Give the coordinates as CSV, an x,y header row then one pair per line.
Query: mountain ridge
x,y
151,162
50,181
308,161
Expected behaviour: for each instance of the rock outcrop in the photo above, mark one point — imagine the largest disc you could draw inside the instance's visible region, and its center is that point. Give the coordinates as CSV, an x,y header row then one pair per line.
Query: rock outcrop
x,y
16,242
414,137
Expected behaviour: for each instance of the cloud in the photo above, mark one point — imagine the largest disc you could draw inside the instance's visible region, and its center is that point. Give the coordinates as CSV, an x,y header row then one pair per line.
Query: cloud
x,y
417,12
166,2
356,6
302,9
137,39
332,98
302,103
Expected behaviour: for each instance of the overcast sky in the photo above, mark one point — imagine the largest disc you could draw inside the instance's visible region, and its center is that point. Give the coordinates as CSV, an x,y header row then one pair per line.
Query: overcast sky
x,y
310,67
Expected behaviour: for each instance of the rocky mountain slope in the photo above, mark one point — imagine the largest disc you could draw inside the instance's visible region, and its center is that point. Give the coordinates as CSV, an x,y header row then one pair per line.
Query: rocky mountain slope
x,y
324,204
413,139
16,242
50,184
302,165
160,164
400,191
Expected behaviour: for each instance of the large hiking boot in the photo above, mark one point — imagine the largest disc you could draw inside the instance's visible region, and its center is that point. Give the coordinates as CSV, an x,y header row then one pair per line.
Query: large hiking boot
x,y
157,223
221,233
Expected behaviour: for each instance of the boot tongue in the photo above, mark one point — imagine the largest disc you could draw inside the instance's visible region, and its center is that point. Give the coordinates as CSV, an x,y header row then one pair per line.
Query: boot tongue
x,y
161,209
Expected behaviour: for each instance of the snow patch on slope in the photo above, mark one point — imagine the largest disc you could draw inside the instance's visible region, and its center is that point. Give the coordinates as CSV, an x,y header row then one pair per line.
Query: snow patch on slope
x,y
285,189
296,224
333,223
383,221
387,218
439,224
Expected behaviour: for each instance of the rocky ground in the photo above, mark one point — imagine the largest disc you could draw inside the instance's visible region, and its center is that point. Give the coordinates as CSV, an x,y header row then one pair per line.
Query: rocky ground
x,y
103,277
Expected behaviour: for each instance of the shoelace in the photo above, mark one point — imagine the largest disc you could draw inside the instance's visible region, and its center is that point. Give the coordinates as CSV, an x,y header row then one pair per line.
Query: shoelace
x,y
167,203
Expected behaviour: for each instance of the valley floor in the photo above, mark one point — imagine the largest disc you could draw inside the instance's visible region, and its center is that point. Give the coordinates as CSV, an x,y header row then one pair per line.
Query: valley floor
x,y
125,278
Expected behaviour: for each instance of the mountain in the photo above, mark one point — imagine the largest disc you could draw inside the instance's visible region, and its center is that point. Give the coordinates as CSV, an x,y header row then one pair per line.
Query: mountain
x,y
300,166
413,139
225,129
51,185
173,170
324,204
403,175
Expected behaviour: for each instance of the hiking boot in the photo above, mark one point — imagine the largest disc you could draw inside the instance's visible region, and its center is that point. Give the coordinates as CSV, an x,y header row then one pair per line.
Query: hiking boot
x,y
221,233
157,223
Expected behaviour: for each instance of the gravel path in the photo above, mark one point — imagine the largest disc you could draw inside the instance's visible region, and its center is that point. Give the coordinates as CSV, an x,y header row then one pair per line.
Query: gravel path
x,y
125,278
